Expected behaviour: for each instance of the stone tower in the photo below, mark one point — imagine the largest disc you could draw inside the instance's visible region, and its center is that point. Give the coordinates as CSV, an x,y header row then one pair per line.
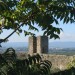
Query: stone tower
x,y
42,44
38,44
32,44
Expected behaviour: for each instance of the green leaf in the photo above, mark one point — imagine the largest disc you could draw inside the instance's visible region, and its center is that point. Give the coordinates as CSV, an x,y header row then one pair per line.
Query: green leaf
x,y
56,21
58,30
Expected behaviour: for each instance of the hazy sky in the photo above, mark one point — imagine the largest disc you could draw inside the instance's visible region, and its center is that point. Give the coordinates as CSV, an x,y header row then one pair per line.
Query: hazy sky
x,y
68,34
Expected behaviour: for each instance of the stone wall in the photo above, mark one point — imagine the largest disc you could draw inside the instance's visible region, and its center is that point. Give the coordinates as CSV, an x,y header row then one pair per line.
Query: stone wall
x,y
58,61
40,45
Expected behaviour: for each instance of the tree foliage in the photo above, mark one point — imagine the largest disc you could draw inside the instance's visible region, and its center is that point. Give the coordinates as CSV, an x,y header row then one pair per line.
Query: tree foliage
x,y
17,13
33,65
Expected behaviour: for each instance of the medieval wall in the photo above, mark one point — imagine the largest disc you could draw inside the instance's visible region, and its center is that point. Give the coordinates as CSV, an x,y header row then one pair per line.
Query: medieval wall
x,y
40,45
58,61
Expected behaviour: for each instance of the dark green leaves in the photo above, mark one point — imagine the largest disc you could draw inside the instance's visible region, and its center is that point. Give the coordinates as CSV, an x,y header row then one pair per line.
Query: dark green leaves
x,y
32,65
3,6
41,12
28,33
52,32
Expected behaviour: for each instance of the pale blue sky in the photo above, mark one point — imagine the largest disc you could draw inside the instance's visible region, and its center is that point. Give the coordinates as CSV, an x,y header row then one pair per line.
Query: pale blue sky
x,y
68,34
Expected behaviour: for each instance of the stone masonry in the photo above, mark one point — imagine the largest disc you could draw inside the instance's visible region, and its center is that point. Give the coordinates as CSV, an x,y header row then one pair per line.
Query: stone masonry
x,y
32,45
42,44
59,62
38,44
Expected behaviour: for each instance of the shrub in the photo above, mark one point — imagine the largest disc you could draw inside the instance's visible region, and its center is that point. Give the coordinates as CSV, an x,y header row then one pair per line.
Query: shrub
x,y
33,65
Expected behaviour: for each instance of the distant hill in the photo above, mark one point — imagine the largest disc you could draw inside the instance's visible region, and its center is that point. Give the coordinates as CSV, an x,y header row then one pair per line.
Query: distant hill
x,y
51,44
62,44
15,44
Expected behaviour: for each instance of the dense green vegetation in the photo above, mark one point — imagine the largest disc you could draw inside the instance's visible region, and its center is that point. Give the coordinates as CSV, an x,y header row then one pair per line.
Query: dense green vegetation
x,y
33,65
17,13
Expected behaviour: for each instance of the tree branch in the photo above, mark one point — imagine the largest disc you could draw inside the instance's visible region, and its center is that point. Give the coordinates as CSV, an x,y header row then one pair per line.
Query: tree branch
x,y
29,18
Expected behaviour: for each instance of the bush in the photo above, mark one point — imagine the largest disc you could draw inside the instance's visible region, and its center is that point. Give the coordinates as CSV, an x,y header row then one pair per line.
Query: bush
x,y
33,65
71,64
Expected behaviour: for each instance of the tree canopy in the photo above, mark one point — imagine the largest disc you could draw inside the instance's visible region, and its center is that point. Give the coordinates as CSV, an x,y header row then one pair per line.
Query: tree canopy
x,y
17,13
